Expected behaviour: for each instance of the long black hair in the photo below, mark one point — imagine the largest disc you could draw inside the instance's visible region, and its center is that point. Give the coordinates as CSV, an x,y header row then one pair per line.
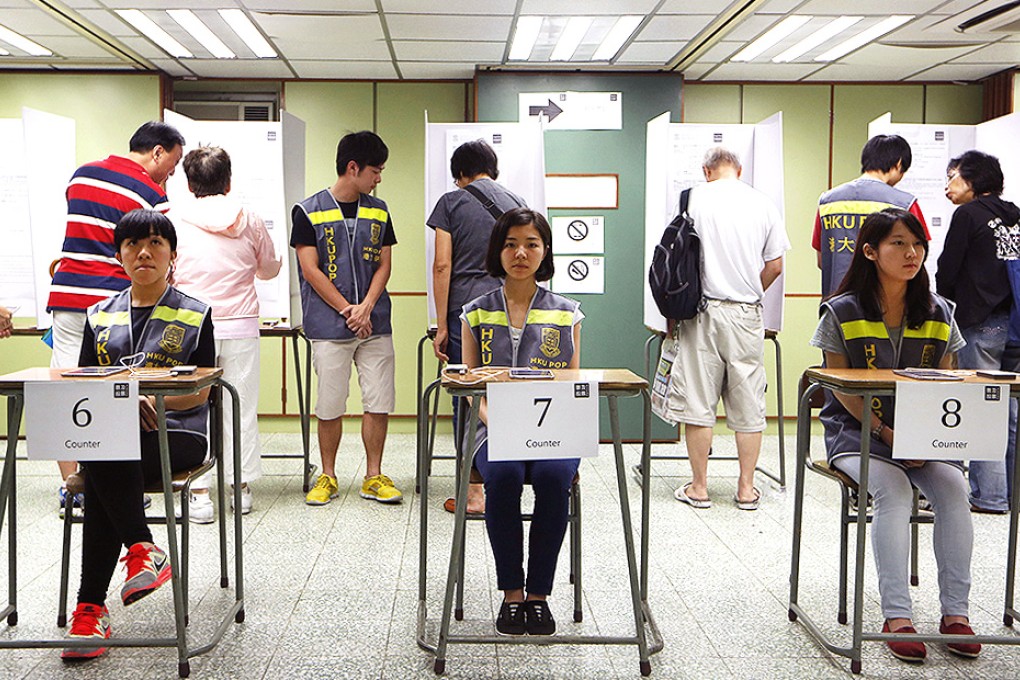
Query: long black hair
x,y
862,277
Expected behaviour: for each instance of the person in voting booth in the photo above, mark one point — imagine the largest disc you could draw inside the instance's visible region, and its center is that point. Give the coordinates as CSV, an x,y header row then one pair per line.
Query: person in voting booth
x,y
462,221
983,236
223,249
149,324
522,324
883,315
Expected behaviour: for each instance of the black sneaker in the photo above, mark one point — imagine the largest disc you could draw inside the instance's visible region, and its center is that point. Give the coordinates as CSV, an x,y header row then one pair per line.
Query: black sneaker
x,y
538,618
511,619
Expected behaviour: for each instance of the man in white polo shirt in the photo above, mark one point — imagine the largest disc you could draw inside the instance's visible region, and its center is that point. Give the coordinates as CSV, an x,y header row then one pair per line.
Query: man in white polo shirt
x,y
720,353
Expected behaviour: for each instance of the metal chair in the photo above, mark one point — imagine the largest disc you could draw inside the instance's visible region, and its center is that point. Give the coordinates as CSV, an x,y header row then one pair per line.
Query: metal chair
x,y
181,484
848,490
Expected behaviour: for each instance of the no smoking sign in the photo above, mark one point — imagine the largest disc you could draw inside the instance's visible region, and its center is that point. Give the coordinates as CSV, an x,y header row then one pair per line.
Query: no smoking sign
x,y
579,274
580,235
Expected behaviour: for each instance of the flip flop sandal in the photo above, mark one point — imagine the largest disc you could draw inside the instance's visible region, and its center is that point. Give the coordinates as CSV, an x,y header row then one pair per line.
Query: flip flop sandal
x,y
748,505
699,503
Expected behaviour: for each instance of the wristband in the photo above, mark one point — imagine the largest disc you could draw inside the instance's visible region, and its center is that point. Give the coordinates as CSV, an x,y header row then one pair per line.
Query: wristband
x,y
876,431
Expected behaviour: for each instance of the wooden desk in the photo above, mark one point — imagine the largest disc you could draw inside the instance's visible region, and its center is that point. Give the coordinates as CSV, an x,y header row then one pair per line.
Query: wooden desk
x,y
12,386
867,384
613,384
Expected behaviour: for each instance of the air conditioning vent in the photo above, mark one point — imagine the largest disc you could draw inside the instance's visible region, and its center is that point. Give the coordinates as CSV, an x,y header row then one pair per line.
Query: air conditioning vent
x,y
258,112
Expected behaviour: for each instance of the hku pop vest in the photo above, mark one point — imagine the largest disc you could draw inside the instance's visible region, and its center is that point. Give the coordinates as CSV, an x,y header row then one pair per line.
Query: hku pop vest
x,y
547,340
168,339
869,346
349,264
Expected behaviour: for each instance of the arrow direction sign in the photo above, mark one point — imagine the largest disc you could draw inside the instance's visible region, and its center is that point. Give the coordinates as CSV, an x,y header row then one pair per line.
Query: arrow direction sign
x,y
550,110
573,110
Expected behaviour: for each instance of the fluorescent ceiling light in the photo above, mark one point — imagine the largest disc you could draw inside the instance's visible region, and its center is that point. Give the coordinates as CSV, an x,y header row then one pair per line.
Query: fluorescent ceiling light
x,y
774,35
246,30
22,43
864,37
833,28
525,36
150,30
200,32
618,34
570,38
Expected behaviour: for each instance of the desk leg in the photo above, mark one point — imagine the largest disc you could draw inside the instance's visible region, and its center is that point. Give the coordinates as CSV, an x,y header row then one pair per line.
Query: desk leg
x,y
216,448
779,413
420,366
15,405
803,443
862,530
1014,508
646,452
628,535
304,396
183,667
459,525
235,410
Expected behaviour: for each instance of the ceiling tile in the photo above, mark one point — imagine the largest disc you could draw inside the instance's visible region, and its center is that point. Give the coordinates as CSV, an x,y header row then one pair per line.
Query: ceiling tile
x,y
172,68
474,52
753,26
433,27
93,66
349,37
898,62
763,71
779,7
341,70
82,4
674,27
697,71
490,8
34,24
108,21
156,5
880,7
961,72
694,7
238,68
649,52
587,8
428,71
308,5
1003,52
143,47
78,47
719,52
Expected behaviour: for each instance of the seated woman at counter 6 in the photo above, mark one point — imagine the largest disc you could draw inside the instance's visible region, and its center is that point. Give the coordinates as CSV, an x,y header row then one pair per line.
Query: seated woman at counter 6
x,y
522,324
884,315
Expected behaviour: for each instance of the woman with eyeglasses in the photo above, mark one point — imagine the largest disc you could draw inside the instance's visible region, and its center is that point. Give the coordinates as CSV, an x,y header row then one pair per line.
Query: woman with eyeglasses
x,y
983,235
149,324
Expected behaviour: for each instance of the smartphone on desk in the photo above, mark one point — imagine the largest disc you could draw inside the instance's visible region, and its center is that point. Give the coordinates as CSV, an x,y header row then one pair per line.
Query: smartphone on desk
x,y
997,375
531,374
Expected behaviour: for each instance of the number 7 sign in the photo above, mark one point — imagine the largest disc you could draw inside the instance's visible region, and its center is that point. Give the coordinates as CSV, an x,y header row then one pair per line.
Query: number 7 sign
x,y
543,420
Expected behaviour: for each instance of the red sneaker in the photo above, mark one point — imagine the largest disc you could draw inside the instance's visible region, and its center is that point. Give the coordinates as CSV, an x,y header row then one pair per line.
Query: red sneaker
x,y
966,649
147,569
87,621
904,650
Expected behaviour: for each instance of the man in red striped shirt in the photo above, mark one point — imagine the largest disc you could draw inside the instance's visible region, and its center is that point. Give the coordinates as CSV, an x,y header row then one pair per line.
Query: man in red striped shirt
x,y
98,195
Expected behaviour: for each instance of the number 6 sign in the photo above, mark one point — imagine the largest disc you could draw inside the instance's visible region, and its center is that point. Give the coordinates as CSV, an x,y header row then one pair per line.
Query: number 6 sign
x,y
543,420
74,420
951,421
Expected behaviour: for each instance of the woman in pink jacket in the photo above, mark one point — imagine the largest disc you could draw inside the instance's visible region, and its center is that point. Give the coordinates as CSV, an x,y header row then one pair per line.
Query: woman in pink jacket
x,y
222,249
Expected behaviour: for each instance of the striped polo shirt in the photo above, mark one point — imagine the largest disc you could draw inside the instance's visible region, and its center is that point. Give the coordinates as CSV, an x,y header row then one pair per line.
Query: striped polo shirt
x,y
98,195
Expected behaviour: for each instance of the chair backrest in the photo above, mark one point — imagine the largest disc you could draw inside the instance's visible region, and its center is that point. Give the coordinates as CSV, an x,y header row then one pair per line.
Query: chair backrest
x,y
820,466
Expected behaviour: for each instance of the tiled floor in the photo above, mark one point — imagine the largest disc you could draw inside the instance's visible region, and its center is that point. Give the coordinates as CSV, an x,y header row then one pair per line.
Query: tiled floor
x,y
331,592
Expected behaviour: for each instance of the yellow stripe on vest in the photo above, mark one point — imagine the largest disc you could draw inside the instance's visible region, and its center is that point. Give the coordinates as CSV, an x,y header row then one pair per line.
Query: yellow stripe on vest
x,y
323,216
184,316
377,214
853,330
477,317
852,207
108,319
936,330
552,317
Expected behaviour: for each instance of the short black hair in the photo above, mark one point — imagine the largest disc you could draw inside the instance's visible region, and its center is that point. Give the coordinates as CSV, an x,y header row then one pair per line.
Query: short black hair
x,y
519,217
883,152
472,159
155,133
982,171
364,148
208,171
141,223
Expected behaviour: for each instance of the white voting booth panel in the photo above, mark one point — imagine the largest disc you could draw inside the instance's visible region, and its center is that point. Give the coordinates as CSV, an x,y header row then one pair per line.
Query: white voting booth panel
x,y
36,163
267,173
673,161
932,147
521,153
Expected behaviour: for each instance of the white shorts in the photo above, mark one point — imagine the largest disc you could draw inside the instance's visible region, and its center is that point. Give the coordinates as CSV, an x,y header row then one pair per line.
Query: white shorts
x,y
721,354
374,358
68,334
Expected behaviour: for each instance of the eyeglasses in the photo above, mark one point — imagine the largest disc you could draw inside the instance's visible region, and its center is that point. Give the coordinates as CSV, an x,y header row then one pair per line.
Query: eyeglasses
x,y
951,176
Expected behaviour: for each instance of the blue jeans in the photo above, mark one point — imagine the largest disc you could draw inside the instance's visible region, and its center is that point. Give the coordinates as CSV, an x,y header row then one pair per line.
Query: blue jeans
x,y
1011,362
504,484
986,343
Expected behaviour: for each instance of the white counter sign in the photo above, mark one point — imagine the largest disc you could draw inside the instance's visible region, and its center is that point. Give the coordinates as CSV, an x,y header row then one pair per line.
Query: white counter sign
x,y
80,420
543,420
951,421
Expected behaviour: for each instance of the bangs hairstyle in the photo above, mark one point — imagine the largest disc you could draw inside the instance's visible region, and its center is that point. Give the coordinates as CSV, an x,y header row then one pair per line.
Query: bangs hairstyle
x,y
862,277
364,148
519,217
472,159
208,171
980,170
882,152
140,223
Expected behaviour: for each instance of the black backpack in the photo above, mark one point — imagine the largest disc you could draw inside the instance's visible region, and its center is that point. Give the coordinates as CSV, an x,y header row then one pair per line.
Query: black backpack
x,y
675,274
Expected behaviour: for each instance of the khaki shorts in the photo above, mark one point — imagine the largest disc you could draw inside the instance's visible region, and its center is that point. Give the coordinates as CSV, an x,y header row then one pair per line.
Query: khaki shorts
x,y
375,361
721,354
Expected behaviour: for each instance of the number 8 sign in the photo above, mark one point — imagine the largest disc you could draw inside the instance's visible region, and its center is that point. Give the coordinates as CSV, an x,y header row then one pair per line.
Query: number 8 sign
x,y
951,421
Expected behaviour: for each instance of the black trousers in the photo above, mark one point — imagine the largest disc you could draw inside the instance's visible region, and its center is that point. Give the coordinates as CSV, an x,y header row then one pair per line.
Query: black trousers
x,y
114,511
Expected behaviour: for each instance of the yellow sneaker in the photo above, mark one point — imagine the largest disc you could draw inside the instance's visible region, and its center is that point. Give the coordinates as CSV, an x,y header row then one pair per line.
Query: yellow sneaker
x,y
323,492
380,488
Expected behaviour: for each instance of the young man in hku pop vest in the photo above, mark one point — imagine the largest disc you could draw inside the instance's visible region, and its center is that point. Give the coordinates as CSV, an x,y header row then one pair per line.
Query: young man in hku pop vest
x,y
343,237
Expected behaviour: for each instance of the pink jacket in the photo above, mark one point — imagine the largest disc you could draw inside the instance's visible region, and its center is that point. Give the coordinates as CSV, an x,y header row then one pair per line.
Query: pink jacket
x,y
221,248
